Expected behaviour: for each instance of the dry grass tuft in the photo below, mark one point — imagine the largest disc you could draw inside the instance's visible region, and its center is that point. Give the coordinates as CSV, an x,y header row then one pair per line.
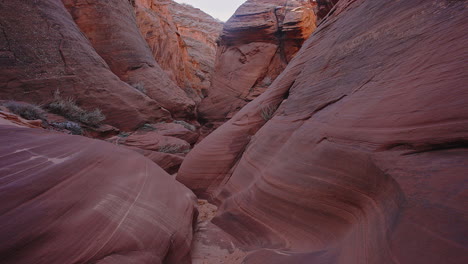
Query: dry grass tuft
x,y
26,111
68,108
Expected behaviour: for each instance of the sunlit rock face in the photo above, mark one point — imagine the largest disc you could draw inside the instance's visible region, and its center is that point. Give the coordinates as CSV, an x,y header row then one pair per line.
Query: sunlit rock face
x,y
183,41
112,29
70,199
257,43
363,157
199,32
42,50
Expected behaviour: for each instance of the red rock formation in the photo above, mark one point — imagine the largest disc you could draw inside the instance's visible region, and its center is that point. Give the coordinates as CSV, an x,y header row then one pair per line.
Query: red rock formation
x,y
357,153
69,199
256,45
160,32
199,32
152,140
182,40
112,29
323,8
42,50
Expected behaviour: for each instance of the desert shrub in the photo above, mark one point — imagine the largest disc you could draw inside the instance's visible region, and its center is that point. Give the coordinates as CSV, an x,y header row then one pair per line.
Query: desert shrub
x,y
147,127
267,112
26,111
123,134
140,87
68,108
171,149
73,127
186,125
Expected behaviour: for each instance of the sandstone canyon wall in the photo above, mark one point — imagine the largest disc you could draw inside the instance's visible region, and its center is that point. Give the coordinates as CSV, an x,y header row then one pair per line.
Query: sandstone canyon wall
x,y
255,46
200,33
42,50
102,54
112,29
365,157
182,40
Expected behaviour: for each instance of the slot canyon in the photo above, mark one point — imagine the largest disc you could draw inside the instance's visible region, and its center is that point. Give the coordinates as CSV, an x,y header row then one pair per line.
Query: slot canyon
x,y
295,132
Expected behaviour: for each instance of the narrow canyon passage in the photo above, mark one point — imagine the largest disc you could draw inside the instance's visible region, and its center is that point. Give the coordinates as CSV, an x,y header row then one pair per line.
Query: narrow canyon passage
x,y
297,131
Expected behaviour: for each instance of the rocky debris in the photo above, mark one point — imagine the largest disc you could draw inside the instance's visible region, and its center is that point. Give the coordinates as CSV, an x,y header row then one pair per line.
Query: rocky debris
x,y
42,50
256,44
364,159
112,29
162,143
182,40
152,140
188,133
68,199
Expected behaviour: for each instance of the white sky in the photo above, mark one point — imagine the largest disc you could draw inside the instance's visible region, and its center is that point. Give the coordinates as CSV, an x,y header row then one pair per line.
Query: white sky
x,y
220,9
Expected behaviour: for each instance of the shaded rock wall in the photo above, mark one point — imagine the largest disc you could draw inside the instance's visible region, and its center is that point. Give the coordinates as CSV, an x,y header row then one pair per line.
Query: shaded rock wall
x,y
364,159
69,199
256,45
42,50
112,29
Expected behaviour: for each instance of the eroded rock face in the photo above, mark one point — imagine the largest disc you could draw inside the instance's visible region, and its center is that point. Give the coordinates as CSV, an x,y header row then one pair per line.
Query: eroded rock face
x,y
112,29
42,50
364,157
182,40
256,45
324,7
69,199
199,32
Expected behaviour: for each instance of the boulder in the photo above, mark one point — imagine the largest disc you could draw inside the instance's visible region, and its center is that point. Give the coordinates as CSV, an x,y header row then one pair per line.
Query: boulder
x,y
70,199
177,131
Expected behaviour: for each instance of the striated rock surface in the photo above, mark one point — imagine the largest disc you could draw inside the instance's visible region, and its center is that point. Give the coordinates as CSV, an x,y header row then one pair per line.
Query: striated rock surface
x,y
112,28
323,8
177,130
69,199
42,50
256,45
199,32
182,40
363,157
152,140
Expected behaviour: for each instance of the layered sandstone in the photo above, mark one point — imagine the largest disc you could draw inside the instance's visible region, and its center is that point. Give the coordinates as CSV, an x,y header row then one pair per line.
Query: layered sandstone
x,y
42,50
182,40
69,199
200,33
357,153
256,45
112,28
